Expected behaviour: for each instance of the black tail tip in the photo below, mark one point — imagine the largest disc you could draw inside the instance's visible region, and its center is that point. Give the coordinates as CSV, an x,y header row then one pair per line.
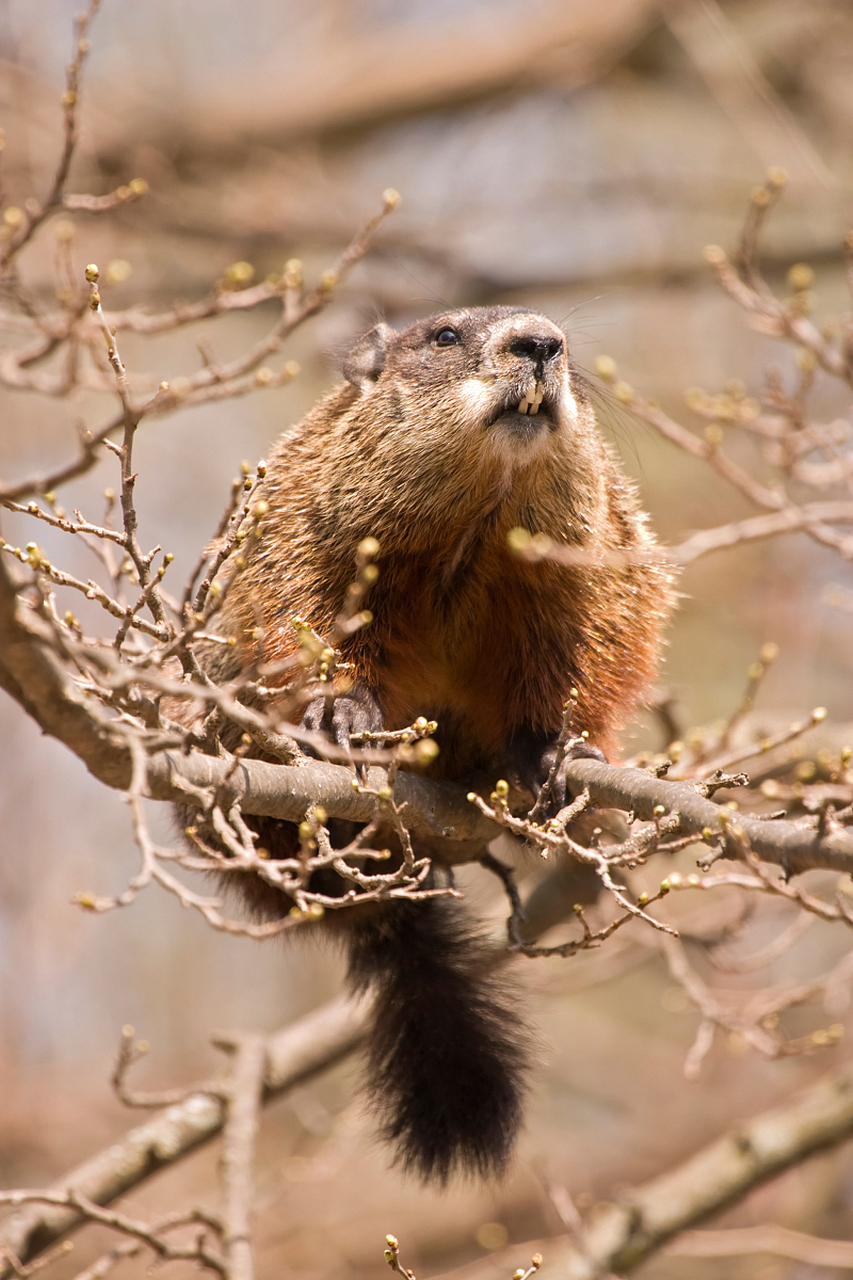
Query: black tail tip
x,y
440,1138
448,1055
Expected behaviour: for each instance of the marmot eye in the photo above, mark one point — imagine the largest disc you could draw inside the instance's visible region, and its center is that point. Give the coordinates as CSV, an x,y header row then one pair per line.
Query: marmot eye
x,y
446,338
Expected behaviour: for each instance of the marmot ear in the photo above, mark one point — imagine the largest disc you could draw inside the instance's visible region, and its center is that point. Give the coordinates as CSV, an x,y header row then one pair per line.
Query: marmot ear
x,y
366,358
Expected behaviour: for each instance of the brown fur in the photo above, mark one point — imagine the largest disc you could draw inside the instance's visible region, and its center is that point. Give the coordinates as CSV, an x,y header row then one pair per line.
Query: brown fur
x,y
464,632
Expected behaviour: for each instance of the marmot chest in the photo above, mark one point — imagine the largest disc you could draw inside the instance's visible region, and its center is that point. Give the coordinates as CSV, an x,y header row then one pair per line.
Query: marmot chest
x,y
483,651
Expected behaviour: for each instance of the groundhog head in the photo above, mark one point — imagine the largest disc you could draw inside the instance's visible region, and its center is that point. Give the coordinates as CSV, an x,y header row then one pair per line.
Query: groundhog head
x,y
500,374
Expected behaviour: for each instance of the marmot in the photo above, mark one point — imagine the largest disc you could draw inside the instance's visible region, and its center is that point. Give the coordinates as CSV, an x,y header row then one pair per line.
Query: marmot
x,y
441,439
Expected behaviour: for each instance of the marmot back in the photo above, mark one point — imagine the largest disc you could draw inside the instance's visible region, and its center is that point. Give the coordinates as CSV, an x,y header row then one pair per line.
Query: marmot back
x,y
441,440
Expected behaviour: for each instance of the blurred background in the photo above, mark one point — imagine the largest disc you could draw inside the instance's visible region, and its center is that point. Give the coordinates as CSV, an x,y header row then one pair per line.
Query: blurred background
x,y
574,156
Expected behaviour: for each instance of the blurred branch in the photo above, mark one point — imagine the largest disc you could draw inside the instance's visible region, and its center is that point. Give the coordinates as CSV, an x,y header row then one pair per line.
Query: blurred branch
x,y
621,1234
87,326
25,222
734,77
779,1241
293,1055
757,1018
372,77
810,462
142,1234
244,1100
756,528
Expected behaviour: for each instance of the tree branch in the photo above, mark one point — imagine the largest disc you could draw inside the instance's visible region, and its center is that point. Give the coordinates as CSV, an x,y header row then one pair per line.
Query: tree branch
x,y
794,847
300,1051
621,1234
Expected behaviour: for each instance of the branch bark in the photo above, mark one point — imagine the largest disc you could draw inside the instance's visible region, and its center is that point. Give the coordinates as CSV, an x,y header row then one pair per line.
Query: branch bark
x,y
245,1095
787,844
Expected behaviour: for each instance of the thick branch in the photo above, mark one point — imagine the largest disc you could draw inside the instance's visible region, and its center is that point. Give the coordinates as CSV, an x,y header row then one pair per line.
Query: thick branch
x,y
34,675
795,848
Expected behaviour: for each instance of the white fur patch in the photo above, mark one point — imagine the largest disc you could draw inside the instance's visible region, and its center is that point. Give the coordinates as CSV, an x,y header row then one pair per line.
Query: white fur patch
x,y
477,397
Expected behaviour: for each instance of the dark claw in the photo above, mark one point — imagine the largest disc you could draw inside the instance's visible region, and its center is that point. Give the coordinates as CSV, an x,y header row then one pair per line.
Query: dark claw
x,y
582,749
346,715
532,757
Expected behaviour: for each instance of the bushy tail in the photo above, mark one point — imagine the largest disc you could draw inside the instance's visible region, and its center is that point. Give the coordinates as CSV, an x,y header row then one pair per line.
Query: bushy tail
x,y
447,1054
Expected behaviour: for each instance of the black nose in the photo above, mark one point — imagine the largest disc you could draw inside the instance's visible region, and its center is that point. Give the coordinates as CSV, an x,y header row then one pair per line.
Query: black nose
x,y
537,347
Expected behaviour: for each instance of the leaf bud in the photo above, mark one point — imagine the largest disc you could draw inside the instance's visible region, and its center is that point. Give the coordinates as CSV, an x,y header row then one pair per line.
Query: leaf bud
x,y
426,751
292,274
518,540
117,271
800,276
238,275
